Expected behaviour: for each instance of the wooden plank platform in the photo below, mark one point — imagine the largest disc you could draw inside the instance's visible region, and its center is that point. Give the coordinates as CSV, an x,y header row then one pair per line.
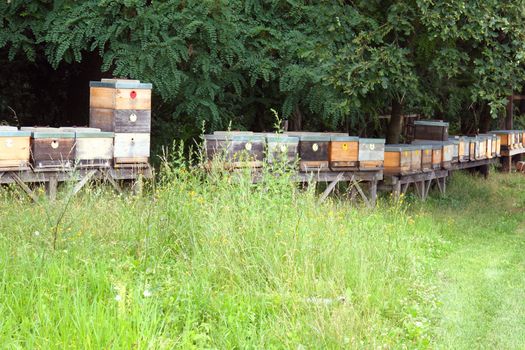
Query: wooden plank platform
x,y
473,164
82,176
512,152
422,183
355,178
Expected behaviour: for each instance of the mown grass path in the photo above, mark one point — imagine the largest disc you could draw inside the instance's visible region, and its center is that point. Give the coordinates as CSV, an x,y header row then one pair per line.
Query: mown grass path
x,y
482,277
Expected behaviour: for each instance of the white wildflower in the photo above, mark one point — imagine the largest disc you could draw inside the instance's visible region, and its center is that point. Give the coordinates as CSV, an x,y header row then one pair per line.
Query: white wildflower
x,y
36,233
118,297
147,293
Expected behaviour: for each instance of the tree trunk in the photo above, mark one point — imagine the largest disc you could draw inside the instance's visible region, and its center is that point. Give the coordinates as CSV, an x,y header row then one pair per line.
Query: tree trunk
x,y
396,123
297,120
510,110
485,119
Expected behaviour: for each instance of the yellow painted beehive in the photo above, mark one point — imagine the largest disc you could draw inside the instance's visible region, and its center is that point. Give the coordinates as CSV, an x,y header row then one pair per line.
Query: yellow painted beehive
x,y
14,147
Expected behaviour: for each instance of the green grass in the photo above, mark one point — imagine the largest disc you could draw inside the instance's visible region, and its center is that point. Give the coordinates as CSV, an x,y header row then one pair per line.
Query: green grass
x,y
214,262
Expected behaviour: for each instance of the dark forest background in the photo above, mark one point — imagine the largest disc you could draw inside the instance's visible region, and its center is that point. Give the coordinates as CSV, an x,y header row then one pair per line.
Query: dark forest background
x,y
323,65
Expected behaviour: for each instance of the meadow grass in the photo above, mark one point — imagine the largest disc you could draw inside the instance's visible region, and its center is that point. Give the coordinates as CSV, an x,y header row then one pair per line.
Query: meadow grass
x,y
213,261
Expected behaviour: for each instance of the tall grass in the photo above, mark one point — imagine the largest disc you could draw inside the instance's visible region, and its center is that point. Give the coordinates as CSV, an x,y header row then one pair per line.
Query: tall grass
x,y
209,260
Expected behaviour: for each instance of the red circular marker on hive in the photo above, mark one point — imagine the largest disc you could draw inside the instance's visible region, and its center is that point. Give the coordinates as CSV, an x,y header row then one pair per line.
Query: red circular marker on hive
x,y
133,94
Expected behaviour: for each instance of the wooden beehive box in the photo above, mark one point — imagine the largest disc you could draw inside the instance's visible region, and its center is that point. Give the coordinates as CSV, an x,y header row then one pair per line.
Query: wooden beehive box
x,y
397,161
463,149
519,141
344,153
313,152
437,156
455,150
489,144
478,148
120,106
282,148
435,130
483,146
14,148
371,154
235,150
93,148
498,145
446,153
507,139
131,148
426,157
52,148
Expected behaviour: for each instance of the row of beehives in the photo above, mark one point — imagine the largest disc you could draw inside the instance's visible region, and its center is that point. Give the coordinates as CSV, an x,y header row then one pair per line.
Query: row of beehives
x,y
67,148
340,152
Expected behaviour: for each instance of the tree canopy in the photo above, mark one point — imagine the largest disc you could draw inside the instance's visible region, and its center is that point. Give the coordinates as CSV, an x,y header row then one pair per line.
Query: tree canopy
x,y
322,65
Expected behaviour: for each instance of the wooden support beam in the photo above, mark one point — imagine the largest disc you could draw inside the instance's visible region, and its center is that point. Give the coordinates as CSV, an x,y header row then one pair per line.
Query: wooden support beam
x,y
83,181
51,188
373,192
24,187
360,190
112,181
331,187
396,190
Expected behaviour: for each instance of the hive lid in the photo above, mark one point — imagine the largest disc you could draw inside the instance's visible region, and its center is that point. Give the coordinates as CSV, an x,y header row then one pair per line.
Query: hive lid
x,y
8,128
454,140
94,134
432,142
315,137
281,138
14,133
235,137
401,147
78,129
344,138
506,132
431,122
380,141
52,135
120,84
425,146
39,129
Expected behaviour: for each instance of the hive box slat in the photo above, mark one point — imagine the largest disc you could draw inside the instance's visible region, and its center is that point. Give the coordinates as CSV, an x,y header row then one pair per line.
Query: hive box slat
x,y
121,121
131,147
14,148
433,130
400,159
506,139
120,94
371,154
344,153
426,157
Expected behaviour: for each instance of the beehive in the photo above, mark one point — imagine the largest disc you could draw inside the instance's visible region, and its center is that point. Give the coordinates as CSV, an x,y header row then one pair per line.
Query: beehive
x,y
397,160
519,142
490,145
435,130
120,106
93,148
498,145
445,154
344,153
282,148
124,107
478,148
455,151
14,147
426,157
52,148
235,150
507,139
464,149
313,152
371,154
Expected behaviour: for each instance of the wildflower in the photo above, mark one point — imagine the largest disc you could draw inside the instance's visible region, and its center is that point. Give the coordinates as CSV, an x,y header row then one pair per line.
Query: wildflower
x,y
36,233
147,293
118,297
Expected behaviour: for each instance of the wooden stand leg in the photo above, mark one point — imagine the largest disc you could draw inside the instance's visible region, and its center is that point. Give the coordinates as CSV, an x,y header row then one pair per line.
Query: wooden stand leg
x,y
51,188
484,170
24,187
331,187
396,190
506,164
373,192
82,182
138,186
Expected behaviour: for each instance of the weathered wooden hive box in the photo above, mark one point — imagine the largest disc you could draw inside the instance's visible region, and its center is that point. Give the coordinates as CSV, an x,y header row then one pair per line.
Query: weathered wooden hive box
x,y
498,145
52,148
520,139
490,144
313,152
344,153
123,107
120,105
442,150
371,154
455,150
402,159
426,157
235,150
282,148
93,148
478,148
14,147
397,160
464,149
435,130
507,139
